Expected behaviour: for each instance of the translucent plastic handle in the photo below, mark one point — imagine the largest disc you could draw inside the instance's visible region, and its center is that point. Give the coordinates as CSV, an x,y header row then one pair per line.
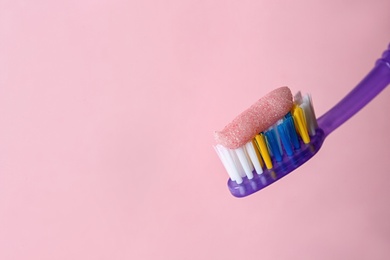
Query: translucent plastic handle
x,y
361,95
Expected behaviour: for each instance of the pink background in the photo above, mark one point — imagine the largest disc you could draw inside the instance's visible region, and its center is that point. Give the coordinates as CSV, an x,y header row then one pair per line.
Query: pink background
x,y
107,110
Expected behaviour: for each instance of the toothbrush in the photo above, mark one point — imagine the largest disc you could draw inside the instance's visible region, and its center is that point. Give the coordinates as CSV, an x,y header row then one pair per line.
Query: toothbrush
x,y
280,132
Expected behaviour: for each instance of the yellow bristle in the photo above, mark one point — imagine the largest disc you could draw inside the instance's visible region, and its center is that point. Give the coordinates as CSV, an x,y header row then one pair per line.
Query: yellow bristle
x,y
300,123
256,146
264,150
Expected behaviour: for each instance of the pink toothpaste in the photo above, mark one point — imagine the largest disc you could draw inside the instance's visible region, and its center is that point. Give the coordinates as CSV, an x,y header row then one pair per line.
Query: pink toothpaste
x,y
259,117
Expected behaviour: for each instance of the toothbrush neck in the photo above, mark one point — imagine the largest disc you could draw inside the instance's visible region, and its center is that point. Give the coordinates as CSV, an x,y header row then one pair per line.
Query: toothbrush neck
x,y
376,80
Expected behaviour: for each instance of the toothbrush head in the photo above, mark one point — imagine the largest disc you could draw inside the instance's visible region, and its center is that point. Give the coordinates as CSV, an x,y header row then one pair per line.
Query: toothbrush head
x,y
268,140
279,169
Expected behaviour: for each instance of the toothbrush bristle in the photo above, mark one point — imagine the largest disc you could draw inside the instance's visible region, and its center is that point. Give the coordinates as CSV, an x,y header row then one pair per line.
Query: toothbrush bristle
x,y
273,152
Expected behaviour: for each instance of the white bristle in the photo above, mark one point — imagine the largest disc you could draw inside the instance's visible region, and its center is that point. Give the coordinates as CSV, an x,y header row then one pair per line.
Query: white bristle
x,y
224,162
245,162
313,114
228,162
237,163
298,98
309,114
254,158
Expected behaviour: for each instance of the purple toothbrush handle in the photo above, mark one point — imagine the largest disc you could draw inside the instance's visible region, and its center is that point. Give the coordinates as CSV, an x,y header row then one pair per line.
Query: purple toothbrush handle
x,y
361,95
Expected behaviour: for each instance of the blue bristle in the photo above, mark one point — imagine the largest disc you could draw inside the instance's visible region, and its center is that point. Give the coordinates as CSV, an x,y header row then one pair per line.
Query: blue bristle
x,y
291,131
273,144
285,138
278,139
